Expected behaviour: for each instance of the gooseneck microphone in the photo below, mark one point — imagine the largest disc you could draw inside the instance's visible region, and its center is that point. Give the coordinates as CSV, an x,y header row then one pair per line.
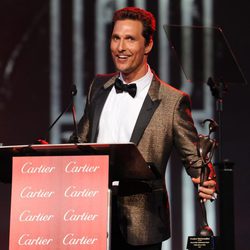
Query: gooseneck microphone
x,y
75,137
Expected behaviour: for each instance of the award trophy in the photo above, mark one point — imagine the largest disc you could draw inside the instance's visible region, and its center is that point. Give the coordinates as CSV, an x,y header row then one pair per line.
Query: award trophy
x,y
205,238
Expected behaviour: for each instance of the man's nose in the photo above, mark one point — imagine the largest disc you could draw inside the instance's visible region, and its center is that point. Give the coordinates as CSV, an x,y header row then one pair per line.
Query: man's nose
x,y
121,45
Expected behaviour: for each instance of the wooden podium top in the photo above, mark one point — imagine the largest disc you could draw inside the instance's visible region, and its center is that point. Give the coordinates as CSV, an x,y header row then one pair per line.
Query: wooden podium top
x,y
125,160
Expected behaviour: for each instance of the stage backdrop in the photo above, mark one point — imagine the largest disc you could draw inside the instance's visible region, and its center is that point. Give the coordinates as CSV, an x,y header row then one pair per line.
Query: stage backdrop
x,y
46,45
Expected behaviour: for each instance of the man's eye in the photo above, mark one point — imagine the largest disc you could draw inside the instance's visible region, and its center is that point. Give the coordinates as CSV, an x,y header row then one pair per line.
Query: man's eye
x,y
130,39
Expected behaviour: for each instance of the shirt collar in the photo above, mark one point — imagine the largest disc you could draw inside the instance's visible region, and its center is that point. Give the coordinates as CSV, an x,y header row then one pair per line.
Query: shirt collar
x,y
143,82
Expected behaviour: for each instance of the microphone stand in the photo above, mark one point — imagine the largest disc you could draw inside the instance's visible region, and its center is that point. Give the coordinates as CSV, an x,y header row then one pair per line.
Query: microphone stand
x,y
218,89
75,138
225,167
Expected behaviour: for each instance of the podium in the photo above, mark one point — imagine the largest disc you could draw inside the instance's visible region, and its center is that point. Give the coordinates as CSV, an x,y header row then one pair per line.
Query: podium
x,y
60,193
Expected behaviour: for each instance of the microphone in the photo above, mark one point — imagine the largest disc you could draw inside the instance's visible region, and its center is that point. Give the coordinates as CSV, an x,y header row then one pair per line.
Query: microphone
x,y
75,138
73,90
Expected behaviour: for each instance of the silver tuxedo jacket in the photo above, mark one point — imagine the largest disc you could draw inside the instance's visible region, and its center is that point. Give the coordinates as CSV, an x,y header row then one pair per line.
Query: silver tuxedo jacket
x,y
164,122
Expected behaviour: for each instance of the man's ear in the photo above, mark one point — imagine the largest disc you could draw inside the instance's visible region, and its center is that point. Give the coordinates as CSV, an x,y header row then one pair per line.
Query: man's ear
x,y
149,47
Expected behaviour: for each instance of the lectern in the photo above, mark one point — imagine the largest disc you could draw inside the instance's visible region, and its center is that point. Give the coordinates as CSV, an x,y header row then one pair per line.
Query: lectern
x,y
60,193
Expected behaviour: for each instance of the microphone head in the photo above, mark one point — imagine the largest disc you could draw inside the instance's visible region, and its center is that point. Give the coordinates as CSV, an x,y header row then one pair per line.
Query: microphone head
x,y
73,90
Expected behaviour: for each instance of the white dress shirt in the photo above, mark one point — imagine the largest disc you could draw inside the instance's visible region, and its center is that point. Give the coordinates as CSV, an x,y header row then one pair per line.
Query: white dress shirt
x,y
120,112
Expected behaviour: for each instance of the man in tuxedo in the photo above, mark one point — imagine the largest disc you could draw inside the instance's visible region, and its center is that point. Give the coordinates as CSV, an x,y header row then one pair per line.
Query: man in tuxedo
x,y
134,105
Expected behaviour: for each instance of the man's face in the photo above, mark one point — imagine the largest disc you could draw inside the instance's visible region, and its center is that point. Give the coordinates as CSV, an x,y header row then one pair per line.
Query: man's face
x,y
128,48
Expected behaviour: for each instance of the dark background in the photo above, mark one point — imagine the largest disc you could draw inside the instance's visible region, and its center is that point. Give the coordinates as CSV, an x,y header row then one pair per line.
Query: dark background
x,y
235,20
24,102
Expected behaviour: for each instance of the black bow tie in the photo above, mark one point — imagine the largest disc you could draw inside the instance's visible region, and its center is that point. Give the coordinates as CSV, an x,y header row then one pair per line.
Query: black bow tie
x,y
120,87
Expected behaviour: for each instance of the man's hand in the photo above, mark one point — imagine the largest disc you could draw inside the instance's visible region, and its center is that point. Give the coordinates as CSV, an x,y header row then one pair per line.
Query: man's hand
x,y
208,190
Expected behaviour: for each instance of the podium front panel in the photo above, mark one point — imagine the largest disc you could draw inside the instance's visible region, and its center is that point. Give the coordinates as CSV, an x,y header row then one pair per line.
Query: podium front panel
x,y
59,202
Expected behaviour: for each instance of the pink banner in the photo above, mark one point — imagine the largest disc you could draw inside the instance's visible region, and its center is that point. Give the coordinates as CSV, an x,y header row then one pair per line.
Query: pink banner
x,y
59,202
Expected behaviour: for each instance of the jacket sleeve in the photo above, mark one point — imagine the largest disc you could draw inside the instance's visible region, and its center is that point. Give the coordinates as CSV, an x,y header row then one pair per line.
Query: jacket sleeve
x,y
186,137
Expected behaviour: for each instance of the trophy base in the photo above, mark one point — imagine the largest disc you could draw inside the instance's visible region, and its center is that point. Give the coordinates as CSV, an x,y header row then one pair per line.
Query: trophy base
x,y
203,242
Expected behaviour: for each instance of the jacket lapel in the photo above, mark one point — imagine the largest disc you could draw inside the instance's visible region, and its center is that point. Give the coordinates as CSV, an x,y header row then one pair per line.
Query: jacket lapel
x,y
99,100
149,106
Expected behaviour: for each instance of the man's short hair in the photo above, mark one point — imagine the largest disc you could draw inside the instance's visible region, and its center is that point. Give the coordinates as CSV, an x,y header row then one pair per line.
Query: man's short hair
x,y
134,13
